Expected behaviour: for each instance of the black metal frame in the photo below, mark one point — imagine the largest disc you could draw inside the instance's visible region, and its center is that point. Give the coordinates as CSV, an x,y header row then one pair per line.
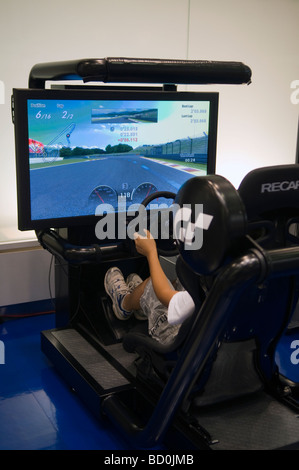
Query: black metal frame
x,y
253,265
208,326
131,70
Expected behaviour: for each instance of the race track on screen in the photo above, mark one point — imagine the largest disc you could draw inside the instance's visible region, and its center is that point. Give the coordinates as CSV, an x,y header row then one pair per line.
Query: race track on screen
x,y
64,190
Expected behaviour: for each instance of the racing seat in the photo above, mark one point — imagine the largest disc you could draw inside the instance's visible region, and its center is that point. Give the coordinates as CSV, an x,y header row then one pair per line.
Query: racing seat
x,y
271,199
259,219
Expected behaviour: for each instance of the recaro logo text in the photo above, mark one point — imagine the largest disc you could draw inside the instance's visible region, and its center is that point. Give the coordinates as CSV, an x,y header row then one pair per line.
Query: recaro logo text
x,y
279,186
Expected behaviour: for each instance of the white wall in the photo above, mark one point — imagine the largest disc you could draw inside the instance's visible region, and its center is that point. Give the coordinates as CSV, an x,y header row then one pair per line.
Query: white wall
x,y
27,275
34,31
257,123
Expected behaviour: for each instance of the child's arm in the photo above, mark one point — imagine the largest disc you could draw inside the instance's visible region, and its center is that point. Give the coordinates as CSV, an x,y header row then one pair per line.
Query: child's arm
x,y
147,246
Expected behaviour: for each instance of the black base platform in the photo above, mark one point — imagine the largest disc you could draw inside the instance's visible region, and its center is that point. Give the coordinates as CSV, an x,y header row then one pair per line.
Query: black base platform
x,y
258,422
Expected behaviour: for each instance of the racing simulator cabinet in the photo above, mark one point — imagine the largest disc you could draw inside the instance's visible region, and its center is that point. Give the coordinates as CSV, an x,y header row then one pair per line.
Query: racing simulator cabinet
x,y
99,151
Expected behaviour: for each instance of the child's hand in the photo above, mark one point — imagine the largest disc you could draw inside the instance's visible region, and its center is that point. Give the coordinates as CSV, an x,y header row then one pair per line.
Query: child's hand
x,y
145,245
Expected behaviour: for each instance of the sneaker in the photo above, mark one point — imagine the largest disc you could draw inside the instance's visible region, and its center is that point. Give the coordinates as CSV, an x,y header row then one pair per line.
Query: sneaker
x,y
117,289
133,280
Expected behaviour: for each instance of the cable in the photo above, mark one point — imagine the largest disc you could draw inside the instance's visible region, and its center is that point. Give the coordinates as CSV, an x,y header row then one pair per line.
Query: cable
x,y
35,314
25,315
49,282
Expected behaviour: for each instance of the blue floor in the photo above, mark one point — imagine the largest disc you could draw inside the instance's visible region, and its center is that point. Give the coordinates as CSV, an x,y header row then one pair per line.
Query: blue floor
x,y
37,409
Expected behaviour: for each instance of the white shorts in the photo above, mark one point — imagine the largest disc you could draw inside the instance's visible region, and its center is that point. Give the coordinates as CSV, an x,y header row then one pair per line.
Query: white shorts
x,y
157,314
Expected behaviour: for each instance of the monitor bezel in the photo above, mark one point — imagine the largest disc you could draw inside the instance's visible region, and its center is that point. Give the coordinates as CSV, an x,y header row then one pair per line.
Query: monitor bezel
x,y
20,119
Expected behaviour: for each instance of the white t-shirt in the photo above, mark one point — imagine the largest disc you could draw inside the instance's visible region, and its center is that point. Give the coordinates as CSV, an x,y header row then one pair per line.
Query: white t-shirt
x,y
180,307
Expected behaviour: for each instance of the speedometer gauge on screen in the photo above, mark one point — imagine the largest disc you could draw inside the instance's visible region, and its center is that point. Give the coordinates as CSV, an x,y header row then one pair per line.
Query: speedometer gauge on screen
x,y
76,149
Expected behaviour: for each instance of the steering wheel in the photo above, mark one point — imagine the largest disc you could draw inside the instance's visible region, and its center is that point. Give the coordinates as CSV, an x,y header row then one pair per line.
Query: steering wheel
x,y
165,247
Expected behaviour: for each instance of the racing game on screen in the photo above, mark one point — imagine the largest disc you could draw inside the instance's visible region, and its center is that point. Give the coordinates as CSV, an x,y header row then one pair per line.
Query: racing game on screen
x,y
86,153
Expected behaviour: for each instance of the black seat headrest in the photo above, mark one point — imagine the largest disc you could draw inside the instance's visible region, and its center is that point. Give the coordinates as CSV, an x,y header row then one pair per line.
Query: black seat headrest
x,y
270,189
210,218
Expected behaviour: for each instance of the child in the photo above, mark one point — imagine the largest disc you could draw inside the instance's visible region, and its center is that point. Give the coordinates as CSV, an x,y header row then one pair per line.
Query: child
x,y
154,298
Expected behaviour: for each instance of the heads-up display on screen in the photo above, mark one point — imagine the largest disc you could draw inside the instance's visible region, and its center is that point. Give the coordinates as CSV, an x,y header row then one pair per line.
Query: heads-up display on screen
x,y
81,148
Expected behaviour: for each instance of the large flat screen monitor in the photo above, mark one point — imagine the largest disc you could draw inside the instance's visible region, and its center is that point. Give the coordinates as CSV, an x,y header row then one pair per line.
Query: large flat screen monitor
x,y
76,149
